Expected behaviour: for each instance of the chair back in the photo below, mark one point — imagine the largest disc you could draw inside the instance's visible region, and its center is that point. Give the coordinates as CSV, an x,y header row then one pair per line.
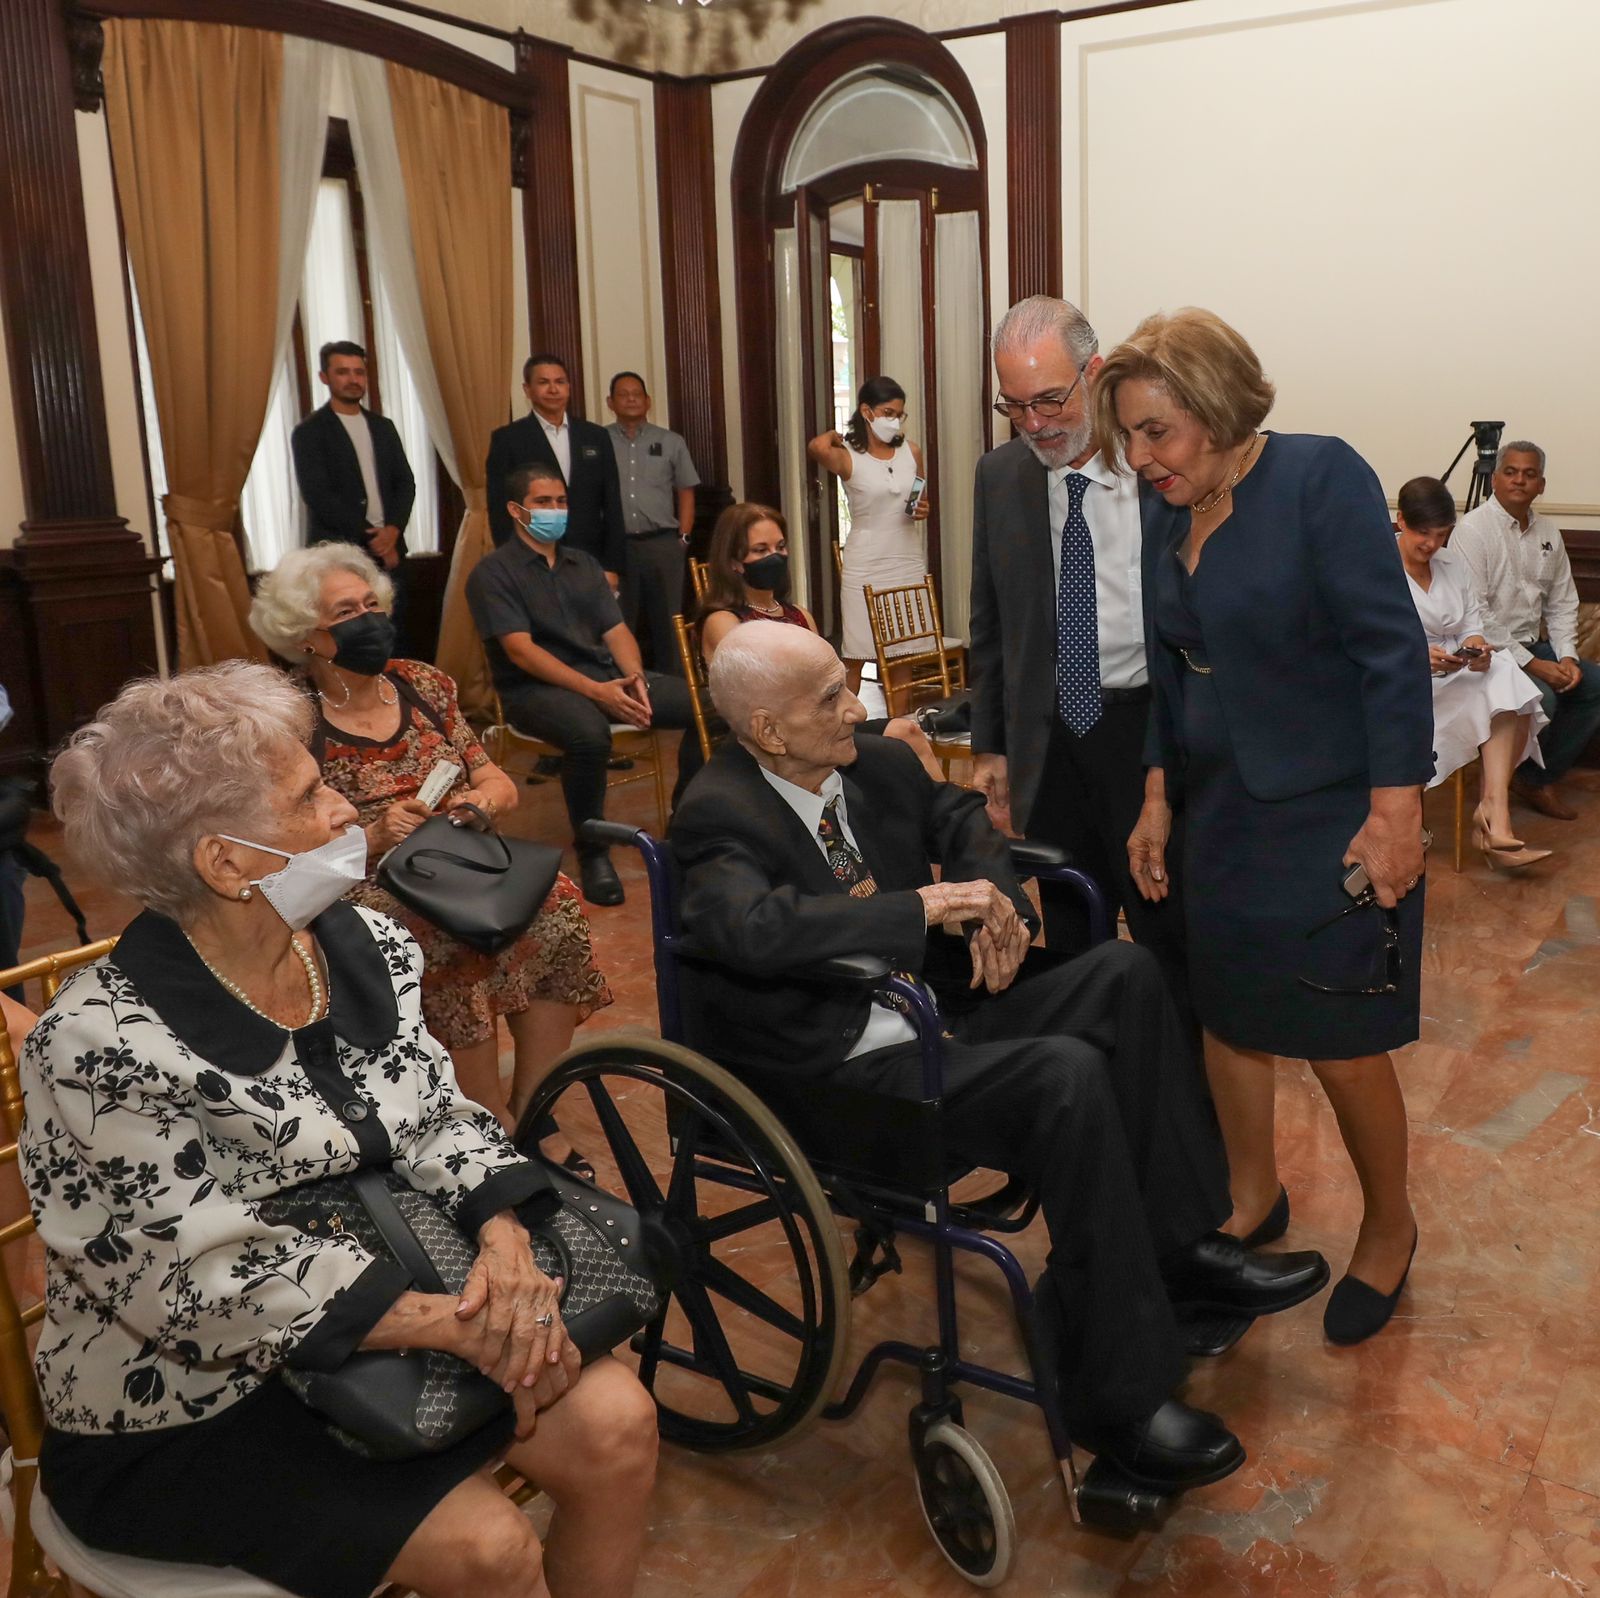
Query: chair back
x,y
694,674
19,1387
914,662
698,579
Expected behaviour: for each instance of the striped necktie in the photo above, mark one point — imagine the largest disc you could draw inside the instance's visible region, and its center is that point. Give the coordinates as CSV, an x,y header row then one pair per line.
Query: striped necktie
x,y
1077,618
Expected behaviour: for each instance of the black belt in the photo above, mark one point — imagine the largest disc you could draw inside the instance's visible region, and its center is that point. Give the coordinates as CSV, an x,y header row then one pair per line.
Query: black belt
x,y
1125,696
657,532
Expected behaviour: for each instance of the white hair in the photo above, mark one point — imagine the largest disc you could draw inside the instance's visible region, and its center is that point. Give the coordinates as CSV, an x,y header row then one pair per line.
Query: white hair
x,y
756,668
1519,446
288,602
1043,316
166,763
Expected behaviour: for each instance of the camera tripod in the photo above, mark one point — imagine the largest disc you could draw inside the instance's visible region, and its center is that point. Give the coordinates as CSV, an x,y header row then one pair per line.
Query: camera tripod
x,y
1486,436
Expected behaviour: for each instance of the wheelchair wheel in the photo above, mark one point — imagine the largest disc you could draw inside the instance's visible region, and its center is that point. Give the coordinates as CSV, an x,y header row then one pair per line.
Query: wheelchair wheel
x,y
965,1504
755,1330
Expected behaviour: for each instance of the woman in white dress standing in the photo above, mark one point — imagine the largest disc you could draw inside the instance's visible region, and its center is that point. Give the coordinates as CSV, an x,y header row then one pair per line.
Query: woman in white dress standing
x,y
1483,702
878,465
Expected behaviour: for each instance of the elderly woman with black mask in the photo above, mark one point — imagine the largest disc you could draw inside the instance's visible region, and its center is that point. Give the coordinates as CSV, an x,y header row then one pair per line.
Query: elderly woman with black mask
x,y
252,1034
381,728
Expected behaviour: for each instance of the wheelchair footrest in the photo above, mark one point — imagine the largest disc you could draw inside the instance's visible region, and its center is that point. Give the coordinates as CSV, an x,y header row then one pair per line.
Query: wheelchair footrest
x,y
1111,1502
1209,1333
993,1211
875,1256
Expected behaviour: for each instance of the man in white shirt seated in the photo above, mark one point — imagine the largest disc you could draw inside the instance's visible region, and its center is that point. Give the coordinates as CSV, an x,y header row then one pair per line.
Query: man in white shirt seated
x,y
1520,568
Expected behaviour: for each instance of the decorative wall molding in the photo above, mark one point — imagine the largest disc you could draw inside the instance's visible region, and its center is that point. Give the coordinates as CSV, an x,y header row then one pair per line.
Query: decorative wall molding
x,y
549,209
690,290
1033,155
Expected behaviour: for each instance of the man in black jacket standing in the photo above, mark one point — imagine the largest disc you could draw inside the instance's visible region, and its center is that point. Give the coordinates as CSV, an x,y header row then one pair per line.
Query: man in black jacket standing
x,y
799,842
550,436
352,468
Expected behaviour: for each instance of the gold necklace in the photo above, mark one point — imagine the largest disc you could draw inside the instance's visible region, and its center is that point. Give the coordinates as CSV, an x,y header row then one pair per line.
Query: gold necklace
x,y
339,704
1209,502
313,981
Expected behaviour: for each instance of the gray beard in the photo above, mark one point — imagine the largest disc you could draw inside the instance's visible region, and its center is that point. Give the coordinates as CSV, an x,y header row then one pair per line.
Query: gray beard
x,y
1063,451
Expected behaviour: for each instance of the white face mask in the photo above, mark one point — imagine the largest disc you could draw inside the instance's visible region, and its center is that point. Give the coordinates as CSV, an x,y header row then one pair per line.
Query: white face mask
x,y
313,880
888,428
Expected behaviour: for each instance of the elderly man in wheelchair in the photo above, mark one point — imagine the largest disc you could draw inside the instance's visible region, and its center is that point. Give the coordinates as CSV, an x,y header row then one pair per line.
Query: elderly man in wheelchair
x,y
799,843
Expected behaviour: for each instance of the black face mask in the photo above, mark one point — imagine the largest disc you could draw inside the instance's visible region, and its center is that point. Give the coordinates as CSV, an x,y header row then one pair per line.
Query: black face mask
x,y
768,572
363,644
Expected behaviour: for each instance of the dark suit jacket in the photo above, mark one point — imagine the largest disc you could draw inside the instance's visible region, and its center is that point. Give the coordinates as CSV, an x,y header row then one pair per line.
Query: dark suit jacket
x,y
330,477
594,493
1011,662
758,900
1317,653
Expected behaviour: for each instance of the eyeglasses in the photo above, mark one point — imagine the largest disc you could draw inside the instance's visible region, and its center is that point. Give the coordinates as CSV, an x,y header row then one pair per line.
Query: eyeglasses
x,y
1047,406
1366,900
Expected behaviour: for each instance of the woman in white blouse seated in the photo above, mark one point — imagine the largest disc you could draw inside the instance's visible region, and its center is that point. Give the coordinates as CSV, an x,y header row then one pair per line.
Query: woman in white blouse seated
x,y
251,1032
1483,702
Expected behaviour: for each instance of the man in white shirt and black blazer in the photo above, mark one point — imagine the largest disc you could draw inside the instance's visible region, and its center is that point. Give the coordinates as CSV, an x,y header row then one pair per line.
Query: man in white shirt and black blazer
x,y
550,435
1043,648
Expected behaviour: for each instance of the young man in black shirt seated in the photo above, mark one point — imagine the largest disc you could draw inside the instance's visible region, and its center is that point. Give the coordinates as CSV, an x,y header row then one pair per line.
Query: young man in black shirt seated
x,y
564,662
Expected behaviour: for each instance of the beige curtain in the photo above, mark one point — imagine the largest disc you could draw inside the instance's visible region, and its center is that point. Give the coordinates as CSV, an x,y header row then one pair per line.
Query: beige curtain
x,y
192,110
455,158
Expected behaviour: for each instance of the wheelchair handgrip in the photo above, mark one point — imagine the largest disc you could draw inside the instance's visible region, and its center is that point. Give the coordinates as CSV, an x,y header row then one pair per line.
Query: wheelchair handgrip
x,y
864,969
609,832
1029,856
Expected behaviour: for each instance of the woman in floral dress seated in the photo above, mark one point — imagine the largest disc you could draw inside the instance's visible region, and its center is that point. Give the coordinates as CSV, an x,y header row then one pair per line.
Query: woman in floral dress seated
x,y
382,726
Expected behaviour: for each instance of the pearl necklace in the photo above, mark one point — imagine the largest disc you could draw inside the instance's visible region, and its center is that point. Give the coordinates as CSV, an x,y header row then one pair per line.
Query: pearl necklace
x,y
767,610
1209,502
313,981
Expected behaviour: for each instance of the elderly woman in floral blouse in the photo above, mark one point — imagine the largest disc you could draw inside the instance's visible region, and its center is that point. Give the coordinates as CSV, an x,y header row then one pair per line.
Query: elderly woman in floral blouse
x,y
249,1033
382,725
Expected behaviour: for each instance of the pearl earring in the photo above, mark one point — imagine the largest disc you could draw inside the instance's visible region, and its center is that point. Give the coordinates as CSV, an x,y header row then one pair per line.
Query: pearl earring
x,y
244,893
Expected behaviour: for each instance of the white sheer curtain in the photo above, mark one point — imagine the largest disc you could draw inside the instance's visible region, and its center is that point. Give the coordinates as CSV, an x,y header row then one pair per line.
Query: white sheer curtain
x,y
900,302
958,338
791,410
269,506
402,404
389,238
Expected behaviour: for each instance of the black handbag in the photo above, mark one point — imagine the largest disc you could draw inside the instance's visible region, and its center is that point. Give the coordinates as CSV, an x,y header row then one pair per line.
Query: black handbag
x,y
470,881
946,718
389,1404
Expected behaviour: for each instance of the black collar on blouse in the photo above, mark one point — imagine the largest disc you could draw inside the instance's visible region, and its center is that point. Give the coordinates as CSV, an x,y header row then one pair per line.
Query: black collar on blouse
x,y
171,977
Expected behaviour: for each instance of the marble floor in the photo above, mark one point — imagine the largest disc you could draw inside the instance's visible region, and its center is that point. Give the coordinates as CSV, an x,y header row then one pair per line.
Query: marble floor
x,y
1455,1456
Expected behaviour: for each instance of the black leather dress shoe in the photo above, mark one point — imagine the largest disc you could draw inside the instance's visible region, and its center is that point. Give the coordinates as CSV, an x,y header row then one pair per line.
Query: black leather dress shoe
x,y
1274,1225
1218,1272
1174,1449
599,880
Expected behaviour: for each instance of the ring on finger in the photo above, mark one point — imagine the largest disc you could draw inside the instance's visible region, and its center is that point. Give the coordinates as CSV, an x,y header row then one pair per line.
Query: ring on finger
x,y
546,1320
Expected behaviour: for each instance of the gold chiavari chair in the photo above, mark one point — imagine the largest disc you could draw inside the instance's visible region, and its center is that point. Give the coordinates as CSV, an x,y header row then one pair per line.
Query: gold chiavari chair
x,y
694,674
47,1561
916,662
639,744
698,580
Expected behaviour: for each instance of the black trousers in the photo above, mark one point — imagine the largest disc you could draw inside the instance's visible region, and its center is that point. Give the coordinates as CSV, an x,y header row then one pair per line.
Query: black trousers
x,y
1077,1079
1090,795
652,594
580,729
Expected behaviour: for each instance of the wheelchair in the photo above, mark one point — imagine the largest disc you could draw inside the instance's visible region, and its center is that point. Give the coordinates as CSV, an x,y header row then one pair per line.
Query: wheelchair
x,y
740,1204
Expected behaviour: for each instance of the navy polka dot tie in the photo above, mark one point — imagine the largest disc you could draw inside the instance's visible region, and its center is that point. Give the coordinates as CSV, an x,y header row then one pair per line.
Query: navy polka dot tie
x,y
1077,618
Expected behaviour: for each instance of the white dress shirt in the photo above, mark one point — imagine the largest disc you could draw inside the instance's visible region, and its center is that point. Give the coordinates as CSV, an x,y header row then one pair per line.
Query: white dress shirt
x,y
885,1026
1111,508
361,437
1523,578
560,436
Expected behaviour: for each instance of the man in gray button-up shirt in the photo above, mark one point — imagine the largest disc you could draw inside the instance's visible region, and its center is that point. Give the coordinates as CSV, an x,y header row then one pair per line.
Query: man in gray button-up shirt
x,y
658,483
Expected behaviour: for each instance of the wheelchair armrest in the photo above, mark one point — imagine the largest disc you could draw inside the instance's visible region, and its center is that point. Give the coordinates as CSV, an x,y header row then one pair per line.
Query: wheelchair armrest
x,y
865,969
610,832
1029,856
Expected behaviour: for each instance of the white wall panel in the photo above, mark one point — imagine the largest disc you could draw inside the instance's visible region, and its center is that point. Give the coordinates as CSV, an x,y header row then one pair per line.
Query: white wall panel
x,y
619,258
1394,201
982,57
729,102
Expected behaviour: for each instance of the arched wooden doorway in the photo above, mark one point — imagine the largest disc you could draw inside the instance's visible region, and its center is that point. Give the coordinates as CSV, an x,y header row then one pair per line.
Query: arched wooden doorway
x,y
854,266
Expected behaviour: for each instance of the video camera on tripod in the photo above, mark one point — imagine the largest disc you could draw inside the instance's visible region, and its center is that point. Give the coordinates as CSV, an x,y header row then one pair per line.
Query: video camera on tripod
x,y
1486,437
16,810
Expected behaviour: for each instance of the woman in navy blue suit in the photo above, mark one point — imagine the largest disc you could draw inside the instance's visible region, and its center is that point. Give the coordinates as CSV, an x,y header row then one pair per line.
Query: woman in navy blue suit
x,y
1293,721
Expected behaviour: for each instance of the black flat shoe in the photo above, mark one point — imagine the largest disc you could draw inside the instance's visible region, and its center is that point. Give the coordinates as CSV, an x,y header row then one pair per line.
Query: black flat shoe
x,y
1356,1311
1217,1272
619,763
1174,1449
1275,1224
599,880
545,769
1208,1335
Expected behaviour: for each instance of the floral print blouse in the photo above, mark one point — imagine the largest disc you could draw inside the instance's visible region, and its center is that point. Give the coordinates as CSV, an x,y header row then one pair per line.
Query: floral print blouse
x,y
161,1112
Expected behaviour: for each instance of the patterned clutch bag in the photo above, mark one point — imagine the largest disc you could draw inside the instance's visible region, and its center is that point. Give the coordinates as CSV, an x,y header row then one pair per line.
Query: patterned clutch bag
x,y
393,1405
